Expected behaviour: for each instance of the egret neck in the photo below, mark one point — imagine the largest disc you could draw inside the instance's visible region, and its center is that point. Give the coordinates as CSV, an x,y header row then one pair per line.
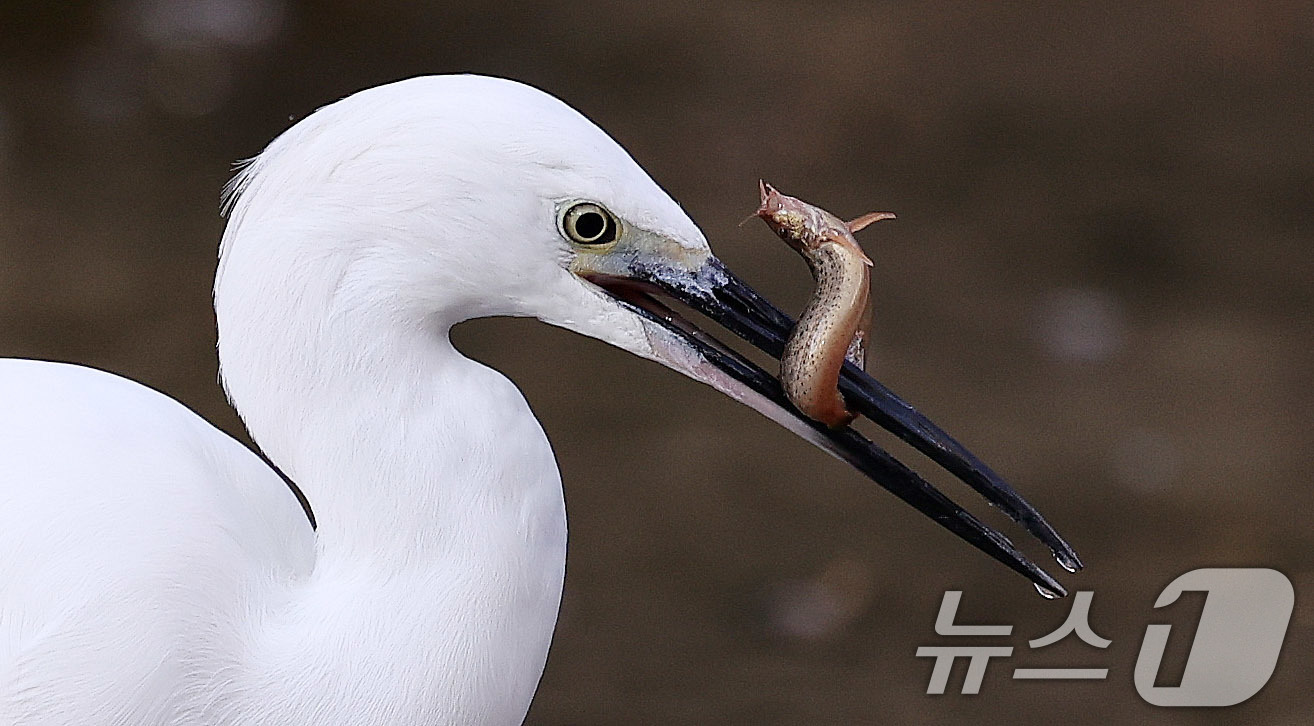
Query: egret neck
x,y
440,549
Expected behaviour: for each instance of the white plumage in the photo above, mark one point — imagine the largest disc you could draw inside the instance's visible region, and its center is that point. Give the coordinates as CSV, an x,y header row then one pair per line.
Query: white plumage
x,y
153,571
156,572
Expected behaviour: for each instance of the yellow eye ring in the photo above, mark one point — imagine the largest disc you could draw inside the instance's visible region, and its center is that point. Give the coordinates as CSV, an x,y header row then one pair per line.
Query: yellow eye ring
x,y
586,223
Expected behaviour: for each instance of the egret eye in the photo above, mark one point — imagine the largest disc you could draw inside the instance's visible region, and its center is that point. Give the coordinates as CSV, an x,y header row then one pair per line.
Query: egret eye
x,y
587,223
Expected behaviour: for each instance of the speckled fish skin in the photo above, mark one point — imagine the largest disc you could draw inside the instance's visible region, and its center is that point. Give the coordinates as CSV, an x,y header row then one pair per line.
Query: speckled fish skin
x,y
834,324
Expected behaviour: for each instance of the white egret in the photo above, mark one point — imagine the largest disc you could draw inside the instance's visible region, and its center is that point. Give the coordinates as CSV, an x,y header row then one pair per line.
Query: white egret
x,y
155,571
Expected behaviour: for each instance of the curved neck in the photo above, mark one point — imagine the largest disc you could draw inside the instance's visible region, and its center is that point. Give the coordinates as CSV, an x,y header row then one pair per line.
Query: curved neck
x,y
440,552
360,397
408,464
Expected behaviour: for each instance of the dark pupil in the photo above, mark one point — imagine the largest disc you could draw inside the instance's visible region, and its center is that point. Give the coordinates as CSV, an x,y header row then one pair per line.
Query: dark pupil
x,y
589,225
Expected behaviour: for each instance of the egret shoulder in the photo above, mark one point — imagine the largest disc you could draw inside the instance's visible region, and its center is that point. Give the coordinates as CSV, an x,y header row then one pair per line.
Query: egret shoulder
x,y
130,527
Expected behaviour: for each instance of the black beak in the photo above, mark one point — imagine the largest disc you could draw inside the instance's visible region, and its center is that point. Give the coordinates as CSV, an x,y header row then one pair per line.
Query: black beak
x,y
721,296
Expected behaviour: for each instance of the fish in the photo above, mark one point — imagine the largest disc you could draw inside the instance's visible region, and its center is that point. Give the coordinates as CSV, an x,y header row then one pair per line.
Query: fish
x,y
835,324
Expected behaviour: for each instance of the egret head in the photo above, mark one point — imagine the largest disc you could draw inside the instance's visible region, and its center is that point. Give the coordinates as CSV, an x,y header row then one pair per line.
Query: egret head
x,y
423,203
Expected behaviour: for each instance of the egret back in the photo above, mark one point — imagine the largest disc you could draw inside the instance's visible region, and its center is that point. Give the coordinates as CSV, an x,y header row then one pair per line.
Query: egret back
x,y
135,536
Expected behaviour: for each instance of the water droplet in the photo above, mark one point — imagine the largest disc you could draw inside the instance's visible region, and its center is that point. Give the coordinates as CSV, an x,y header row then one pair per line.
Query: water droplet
x,y
1067,562
1045,592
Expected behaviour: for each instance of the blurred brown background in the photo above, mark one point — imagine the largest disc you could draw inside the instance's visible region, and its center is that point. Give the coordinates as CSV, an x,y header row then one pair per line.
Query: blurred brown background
x,y
1100,281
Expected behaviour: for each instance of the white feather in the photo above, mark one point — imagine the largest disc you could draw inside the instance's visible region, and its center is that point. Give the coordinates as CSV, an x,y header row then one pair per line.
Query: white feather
x,y
156,572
